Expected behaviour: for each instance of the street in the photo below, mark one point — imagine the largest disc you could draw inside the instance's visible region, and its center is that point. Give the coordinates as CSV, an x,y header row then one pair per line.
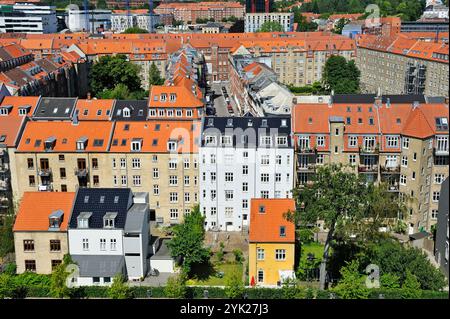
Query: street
x,y
219,100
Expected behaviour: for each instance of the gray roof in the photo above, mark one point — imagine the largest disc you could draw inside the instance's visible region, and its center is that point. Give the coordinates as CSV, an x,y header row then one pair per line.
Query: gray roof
x,y
163,252
55,108
99,266
419,235
136,217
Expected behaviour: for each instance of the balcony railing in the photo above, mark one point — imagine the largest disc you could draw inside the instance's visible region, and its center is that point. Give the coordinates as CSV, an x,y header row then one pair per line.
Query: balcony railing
x,y
369,150
45,187
307,150
81,172
45,172
441,152
367,168
307,167
390,169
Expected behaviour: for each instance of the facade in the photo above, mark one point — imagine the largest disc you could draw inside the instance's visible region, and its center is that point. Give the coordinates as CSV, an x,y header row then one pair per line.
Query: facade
x,y
28,18
424,26
120,21
108,235
99,20
254,21
401,65
243,158
271,242
40,231
442,233
258,6
399,140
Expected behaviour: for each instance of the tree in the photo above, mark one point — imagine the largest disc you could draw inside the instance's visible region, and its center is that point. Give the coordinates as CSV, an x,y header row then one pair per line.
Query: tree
x,y
302,23
155,76
411,287
340,25
271,26
7,235
58,287
101,4
335,197
187,242
119,289
234,287
119,92
110,71
352,283
238,256
132,30
7,286
341,76
390,281
176,287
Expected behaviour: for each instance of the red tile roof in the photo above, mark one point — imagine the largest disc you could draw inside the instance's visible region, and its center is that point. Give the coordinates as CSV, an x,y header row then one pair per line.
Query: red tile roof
x,y
89,109
265,227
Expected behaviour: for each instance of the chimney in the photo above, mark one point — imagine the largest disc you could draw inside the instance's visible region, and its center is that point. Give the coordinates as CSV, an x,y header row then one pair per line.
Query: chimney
x,y
416,104
89,95
75,118
294,100
330,102
446,100
388,102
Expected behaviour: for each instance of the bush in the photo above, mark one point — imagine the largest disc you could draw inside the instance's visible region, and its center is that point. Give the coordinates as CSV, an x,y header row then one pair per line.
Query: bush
x,y
176,287
238,256
10,269
234,286
119,288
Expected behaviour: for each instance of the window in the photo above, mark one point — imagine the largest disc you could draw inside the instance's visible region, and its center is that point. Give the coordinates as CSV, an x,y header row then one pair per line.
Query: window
x,y
303,142
405,142
391,161
213,211
392,141
266,141
55,263
186,163
352,159
439,178
260,253
264,178
352,141
281,140
264,194
245,187
173,197
434,214
282,231
173,213
265,160
280,254
155,173
85,242
136,163
369,142
28,245
137,180
227,140
210,140
442,143
155,158
173,180
62,172
113,244
213,194
436,196
113,163
123,163
102,244
402,179
229,212
31,180
213,158
228,195
55,245
61,158
155,189
213,176
405,161
124,180
260,275
30,163
228,177
186,181
172,146
30,265
96,180
244,169
245,203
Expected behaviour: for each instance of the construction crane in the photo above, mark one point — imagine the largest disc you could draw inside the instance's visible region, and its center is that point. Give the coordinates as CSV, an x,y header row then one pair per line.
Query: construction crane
x,y
150,16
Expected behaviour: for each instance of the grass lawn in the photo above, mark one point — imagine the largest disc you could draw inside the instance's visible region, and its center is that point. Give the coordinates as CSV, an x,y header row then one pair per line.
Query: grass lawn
x,y
205,274
314,248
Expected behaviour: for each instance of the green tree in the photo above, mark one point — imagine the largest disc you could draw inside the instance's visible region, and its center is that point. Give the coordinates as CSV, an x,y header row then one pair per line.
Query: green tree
x,y
341,76
335,196
411,287
110,71
119,92
176,287
352,284
101,4
271,26
340,25
234,287
6,234
58,287
7,286
238,256
187,242
390,281
119,288
133,30
155,76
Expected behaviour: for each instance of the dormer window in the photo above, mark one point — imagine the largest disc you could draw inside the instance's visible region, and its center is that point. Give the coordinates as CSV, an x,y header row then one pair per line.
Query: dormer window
x,y
230,122
282,140
173,97
4,110
441,124
163,97
266,140
109,219
136,145
55,219
282,231
126,112
264,123
49,143
171,146
23,110
210,122
83,219
227,140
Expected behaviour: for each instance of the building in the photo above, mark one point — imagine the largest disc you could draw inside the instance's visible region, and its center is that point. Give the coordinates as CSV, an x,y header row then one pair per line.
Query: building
x,y
401,140
351,30
190,12
26,17
120,21
258,6
243,158
271,242
442,237
424,26
109,234
435,10
40,231
115,4
212,28
401,65
99,20
254,21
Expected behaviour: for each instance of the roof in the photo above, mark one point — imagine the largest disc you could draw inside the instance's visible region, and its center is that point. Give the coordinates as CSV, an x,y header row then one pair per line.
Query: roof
x,y
99,265
137,216
67,135
35,209
138,110
55,108
99,202
163,252
265,227
94,109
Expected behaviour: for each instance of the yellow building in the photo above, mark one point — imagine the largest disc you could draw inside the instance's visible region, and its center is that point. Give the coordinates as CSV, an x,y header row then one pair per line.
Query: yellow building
x,y
271,242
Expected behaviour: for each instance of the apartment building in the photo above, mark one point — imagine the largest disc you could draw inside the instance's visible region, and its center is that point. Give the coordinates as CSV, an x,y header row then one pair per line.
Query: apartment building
x,y
399,140
40,231
442,232
254,21
190,12
98,20
403,65
108,234
26,17
271,242
243,158
120,20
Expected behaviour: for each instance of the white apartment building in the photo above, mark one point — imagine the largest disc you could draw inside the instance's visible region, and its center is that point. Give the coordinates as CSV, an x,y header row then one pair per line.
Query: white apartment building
x,y
254,21
98,20
241,159
29,18
120,21
109,235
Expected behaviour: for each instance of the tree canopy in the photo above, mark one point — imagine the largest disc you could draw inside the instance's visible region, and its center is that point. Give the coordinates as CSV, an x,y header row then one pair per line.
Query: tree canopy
x,y
271,26
132,30
155,76
341,76
187,242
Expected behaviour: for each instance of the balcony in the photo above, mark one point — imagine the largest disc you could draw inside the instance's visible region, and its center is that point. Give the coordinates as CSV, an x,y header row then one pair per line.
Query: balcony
x,y
440,152
45,187
307,151
369,150
311,167
368,168
45,172
81,172
390,169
